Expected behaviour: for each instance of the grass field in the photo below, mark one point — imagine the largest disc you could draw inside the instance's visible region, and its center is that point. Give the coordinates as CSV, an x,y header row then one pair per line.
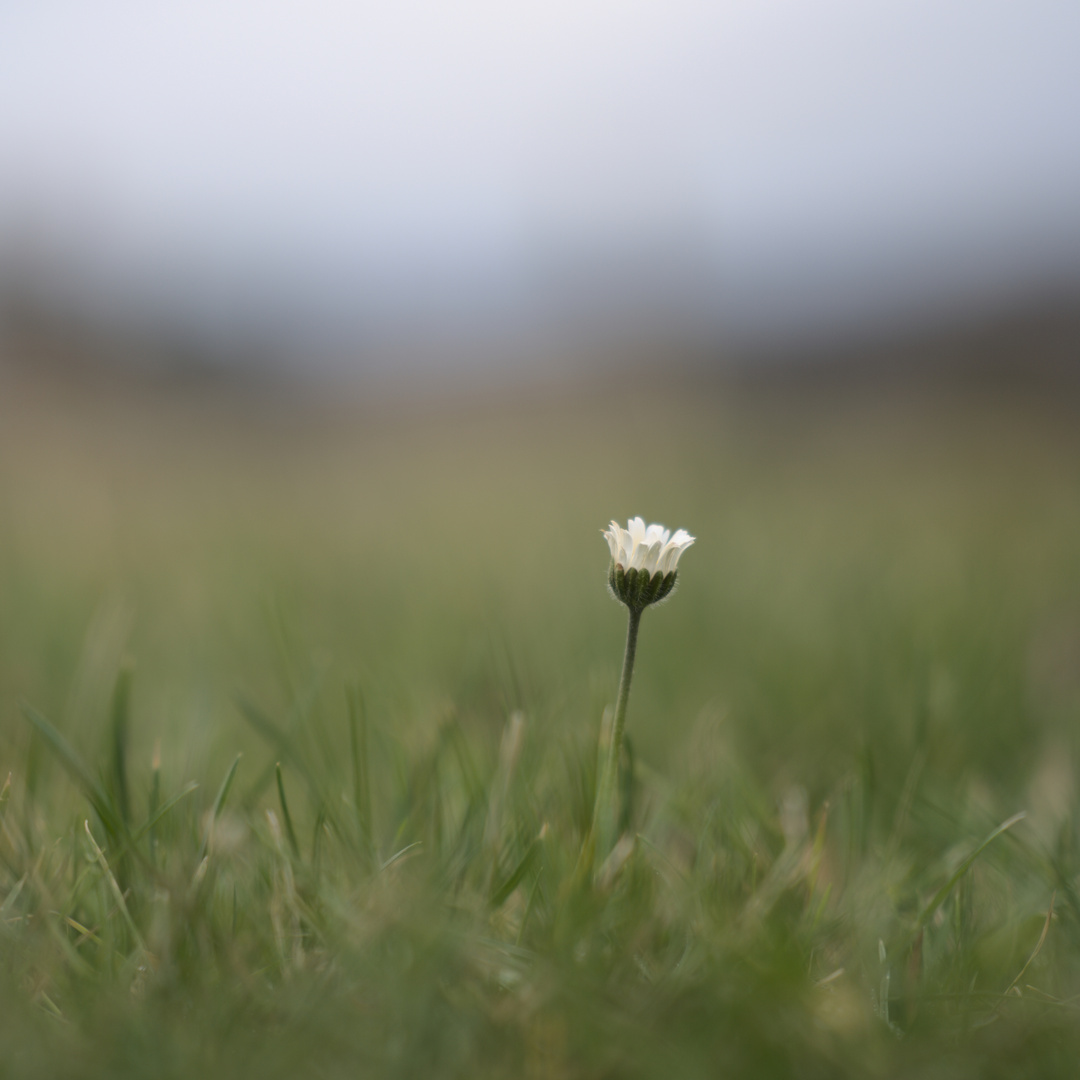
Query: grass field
x,y
870,665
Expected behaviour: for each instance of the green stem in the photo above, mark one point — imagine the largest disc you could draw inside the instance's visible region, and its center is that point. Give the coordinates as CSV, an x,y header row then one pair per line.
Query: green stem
x,y
606,813
624,685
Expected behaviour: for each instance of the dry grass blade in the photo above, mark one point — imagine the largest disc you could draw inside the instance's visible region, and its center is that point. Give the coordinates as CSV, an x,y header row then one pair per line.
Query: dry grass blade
x,y
1038,945
121,903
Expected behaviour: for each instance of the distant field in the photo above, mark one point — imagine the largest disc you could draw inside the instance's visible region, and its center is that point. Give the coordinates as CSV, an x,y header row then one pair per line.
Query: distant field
x,y
871,661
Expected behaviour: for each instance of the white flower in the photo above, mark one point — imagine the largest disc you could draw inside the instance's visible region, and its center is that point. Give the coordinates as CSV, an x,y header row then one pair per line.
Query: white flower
x,y
653,549
643,561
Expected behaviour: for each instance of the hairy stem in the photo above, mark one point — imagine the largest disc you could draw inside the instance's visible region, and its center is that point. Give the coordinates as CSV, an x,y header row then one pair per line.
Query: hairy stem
x,y
605,816
624,684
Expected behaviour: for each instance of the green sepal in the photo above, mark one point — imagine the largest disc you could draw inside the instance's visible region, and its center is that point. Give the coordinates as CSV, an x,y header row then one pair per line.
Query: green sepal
x,y
617,581
666,585
652,589
642,589
637,589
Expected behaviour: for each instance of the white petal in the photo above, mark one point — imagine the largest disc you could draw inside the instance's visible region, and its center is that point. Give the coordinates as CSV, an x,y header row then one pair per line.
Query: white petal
x,y
619,546
663,564
613,544
636,528
652,553
655,532
614,535
678,553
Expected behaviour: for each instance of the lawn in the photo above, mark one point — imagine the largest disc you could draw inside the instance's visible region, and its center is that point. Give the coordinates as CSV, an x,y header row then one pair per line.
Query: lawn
x,y
300,703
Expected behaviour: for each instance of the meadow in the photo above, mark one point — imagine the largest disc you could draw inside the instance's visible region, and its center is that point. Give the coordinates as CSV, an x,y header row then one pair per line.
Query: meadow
x,y
300,703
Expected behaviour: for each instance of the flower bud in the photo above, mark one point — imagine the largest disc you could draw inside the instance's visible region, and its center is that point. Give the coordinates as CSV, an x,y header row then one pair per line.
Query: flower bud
x,y
643,561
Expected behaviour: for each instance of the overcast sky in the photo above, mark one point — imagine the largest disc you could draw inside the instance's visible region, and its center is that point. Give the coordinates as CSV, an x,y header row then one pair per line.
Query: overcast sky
x,y
768,160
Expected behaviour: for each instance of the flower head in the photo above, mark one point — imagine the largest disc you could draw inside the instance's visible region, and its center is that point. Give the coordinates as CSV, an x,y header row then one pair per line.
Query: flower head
x,y
644,561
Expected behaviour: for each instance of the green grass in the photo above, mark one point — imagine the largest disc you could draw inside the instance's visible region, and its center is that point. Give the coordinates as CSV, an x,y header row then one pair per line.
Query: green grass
x,y
301,708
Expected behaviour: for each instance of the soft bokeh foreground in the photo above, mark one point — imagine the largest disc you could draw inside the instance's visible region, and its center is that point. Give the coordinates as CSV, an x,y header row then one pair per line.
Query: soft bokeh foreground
x,y
871,663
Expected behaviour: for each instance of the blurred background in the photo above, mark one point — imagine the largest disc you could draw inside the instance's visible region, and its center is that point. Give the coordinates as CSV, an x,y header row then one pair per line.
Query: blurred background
x,y
331,334
416,189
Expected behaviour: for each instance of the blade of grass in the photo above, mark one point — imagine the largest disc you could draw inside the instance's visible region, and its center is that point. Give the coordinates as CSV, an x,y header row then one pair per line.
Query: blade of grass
x,y
361,768
509,752
285,745
519,937
280,737
70,760
399,855
470,776
12,897
321,829
85,934
121,903
290,832
219,803
1038,945
119,725
517,875
155,800
162,810
942,894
